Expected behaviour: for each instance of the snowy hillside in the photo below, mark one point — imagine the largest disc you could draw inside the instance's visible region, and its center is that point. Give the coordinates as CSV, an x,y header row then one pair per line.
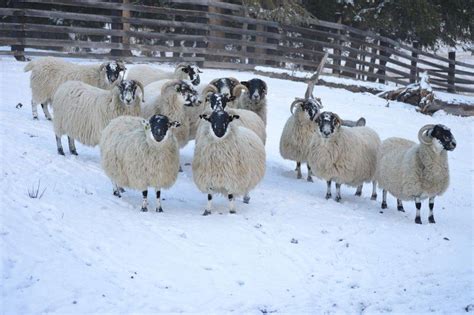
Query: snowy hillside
x,y
79,249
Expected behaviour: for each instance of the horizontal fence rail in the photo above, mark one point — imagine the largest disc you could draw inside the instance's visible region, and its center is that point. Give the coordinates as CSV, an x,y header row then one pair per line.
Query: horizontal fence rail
x,y
216,34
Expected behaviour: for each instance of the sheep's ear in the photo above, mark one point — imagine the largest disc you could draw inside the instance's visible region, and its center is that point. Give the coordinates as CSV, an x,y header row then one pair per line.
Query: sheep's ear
x,y
199,71
232,117
174,124
204,116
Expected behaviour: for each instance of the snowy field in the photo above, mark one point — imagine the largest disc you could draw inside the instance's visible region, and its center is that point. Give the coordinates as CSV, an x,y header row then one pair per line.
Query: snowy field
x,y
80,250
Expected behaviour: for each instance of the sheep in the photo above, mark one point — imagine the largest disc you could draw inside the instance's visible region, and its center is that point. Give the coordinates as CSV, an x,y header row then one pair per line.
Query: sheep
x,y
147,74
230,87
228,159
255,98
297,133
344,155
47,74
174,97
139,153
82,111
248,119
411,171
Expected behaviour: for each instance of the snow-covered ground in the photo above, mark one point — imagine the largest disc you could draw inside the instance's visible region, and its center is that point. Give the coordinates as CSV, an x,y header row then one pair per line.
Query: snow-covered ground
x,y
79,249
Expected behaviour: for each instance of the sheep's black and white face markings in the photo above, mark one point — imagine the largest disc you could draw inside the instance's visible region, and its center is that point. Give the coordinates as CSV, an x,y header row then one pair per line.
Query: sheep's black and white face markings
x,y
328,123
219,120
257,89
443,137
113,70
189,94
217,101
225,86
128,89
159,125
193,72
311,106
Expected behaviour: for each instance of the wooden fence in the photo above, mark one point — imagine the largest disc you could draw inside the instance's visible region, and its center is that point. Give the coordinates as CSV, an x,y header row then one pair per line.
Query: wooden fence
x,y
216,34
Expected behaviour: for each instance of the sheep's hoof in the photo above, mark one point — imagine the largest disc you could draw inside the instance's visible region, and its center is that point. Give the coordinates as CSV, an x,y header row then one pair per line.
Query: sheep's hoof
x,y
144,209
338,198
246,199
35,118
49,118
232,212
418,220
180,169
299,176
160,209
117,193
431,219
373,197
121,189
206,212
358,193
384,205
310,179
74,152
400,208
61,152
328,196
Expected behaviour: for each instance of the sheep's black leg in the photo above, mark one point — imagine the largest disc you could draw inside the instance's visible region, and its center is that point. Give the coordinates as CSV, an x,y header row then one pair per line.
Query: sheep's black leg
x,y
328,192
310,173
145,201
338,192
384,199
298,170
117,191
418,209
374,191
121,189
72,146
34,109
59,145
158,201
359,190
400,205
231,203
431,216
46,111
207,211
246,198
180,168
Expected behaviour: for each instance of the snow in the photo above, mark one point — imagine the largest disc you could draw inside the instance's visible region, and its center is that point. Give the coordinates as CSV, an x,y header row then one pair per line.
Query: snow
x,y
79,249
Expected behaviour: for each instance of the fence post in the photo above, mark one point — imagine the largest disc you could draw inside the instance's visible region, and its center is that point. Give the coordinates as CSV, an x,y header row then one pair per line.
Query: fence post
x,y
18,50
413,70
337,52
451,72
382,63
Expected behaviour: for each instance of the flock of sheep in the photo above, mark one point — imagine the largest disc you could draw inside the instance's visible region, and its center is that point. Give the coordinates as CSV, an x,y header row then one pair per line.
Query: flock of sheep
x,y
140,138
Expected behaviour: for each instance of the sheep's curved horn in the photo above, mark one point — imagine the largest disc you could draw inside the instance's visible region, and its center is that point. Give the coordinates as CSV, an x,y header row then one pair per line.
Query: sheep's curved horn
x,y
316,116
295,102
237,91
208,89
102,65
234,81
140,85
182,65
425,139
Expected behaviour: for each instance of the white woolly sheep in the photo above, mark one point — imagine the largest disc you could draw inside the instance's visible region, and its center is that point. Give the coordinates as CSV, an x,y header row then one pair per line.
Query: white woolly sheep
x,y
47,74
254,98
174,97
82,111
298,131
139,153
344,155
411,171
228,159
147,74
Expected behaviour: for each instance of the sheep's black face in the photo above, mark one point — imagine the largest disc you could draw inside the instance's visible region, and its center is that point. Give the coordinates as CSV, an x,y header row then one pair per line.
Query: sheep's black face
x,y
189,94
159,125
328,124
113,70
219,120
444,136
193,72
225,86
128,89
217,101
257,89
312,107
